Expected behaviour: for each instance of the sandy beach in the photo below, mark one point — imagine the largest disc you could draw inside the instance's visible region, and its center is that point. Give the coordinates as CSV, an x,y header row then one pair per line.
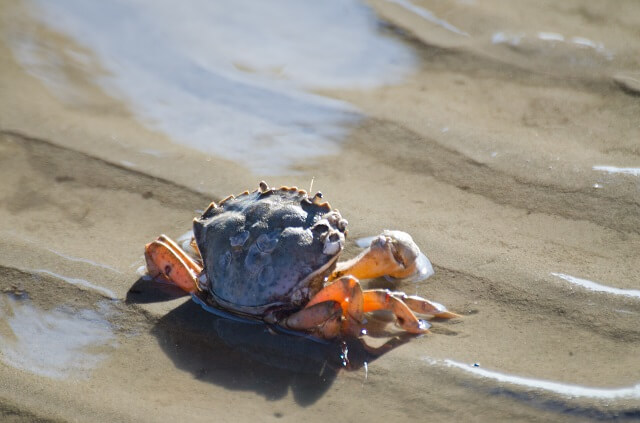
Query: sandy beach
x,y
504,138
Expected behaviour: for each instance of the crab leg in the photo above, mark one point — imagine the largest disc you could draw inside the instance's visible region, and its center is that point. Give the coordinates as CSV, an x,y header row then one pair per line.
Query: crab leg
x,y
348,293
381,299
164,257
322,318
423,306
354,302
392,253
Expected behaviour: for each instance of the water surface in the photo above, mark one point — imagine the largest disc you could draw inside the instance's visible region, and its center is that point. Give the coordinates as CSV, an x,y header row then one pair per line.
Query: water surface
x,y
230,78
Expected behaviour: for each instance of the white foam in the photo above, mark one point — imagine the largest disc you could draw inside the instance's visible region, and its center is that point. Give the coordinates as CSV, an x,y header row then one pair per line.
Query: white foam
x,y
550,36
593,286
587,43
503,37
550,386
515,39
635,171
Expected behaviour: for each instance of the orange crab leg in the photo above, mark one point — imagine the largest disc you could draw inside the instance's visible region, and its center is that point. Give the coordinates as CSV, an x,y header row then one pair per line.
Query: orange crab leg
x,y
381,299
323,318
423,306
365,266
164,257
354,302
347,292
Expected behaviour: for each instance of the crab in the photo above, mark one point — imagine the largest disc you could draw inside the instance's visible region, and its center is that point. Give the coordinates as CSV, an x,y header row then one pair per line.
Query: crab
x,y
272,255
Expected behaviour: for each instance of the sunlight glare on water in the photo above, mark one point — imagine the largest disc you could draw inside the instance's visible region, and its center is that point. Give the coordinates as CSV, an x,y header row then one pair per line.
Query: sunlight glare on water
x,y
57,343
231,78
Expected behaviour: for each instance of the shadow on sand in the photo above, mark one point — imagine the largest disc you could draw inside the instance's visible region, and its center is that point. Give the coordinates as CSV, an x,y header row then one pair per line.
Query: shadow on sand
x,y
247,355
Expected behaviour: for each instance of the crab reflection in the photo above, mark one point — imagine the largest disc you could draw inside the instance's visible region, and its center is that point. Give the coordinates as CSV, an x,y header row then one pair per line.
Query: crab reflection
x,y
245,355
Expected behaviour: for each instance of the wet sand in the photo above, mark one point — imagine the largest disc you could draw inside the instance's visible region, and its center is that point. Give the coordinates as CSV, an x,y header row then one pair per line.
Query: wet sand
x,y
484,153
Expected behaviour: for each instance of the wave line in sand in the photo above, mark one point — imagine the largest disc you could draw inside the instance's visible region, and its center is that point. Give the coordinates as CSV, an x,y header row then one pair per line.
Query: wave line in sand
x,y
593,286
546,385
428,16
78,282
59,254
84,260
635,171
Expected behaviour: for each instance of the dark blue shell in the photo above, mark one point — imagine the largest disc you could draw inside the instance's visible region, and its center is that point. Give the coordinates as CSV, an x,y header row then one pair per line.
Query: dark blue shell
x,y
267,246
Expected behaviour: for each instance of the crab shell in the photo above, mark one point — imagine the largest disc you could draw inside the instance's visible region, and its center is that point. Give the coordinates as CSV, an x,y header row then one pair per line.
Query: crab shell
x,y
268,250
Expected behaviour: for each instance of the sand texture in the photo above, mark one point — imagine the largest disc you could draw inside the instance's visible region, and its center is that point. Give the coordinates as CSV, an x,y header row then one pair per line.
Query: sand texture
x,y
510,151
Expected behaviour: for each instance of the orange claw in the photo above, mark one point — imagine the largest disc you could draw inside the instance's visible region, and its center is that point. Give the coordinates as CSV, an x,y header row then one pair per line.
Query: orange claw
x,y
354,302
381,299
424,306
392,253
164,257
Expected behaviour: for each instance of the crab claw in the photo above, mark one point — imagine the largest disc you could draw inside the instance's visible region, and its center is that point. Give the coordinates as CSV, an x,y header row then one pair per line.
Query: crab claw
x,y
165,258
392,253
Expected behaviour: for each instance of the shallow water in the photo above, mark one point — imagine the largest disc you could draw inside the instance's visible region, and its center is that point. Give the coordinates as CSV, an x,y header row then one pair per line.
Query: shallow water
x,y
59,343
230,78
502,137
